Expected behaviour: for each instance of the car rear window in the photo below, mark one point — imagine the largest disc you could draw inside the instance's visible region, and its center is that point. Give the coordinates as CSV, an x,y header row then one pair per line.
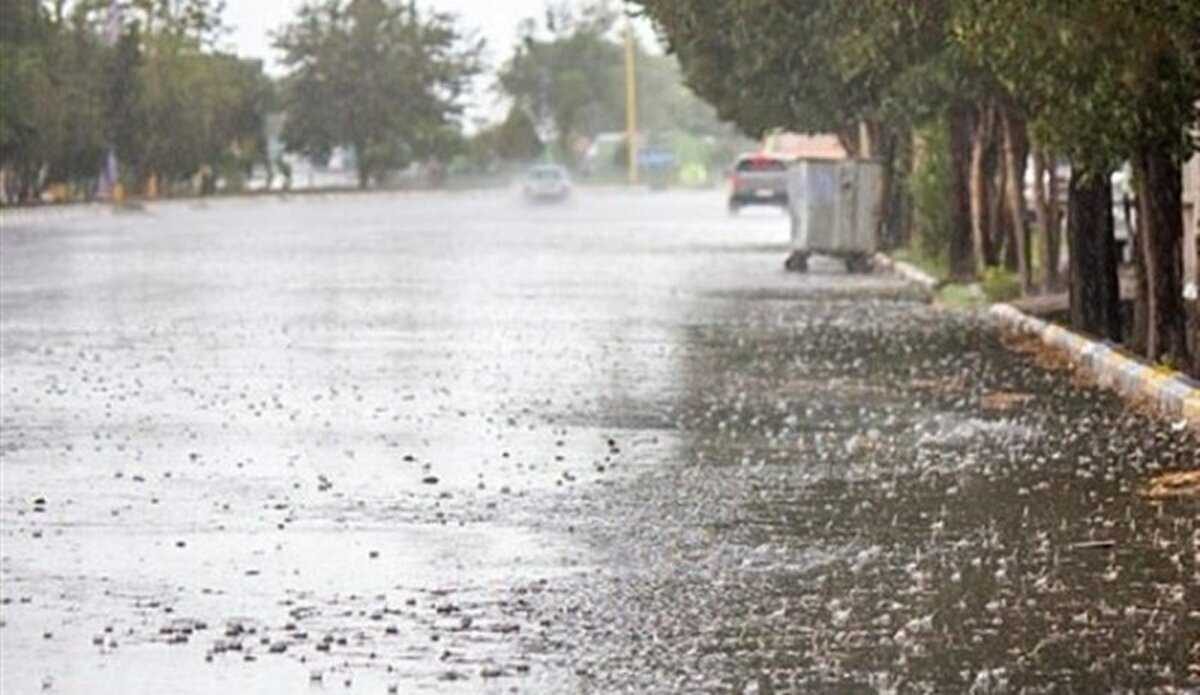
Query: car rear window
x,y
763,164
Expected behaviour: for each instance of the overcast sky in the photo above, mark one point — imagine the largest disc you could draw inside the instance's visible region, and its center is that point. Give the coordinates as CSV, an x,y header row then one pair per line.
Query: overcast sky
x,y
496,20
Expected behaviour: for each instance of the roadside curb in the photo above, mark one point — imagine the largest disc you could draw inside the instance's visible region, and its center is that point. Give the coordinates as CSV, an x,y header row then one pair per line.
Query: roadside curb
x,y
35,214
907,271
1174,394
51,212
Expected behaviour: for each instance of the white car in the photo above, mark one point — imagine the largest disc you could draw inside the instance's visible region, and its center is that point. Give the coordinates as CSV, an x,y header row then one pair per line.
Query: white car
x,y
547,182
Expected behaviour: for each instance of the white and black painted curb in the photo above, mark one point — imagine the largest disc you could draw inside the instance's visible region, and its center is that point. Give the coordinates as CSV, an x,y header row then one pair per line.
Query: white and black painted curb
x,y
907,271
1176,395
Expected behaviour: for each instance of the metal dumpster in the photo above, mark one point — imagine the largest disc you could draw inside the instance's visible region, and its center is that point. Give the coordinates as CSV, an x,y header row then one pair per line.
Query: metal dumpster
x,y
834,208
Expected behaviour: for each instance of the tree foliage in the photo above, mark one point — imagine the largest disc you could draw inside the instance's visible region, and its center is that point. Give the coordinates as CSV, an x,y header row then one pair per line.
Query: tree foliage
x,y
1099,78
1099,81
515,139
569,80
376,75
808,66
143,81
567,73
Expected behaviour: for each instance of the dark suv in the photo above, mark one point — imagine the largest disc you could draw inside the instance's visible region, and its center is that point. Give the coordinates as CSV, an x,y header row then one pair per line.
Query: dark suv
x,y
758,179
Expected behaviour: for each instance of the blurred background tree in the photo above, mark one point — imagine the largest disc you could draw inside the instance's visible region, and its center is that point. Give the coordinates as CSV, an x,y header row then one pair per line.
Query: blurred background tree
x,y
157,94
378,76
1100,82
566,75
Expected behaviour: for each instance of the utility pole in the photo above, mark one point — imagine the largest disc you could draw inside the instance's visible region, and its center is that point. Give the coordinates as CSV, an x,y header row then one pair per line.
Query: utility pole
x,y
631,103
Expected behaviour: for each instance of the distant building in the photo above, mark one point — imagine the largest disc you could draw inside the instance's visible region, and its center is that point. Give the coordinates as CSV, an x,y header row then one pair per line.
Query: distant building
x,y
802,146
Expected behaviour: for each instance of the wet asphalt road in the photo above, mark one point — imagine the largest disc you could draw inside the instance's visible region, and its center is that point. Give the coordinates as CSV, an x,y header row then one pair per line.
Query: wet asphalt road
x,y
452,443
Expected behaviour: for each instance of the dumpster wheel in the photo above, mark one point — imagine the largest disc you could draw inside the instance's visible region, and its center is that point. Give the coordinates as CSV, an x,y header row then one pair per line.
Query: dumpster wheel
x,y
797,262
858,263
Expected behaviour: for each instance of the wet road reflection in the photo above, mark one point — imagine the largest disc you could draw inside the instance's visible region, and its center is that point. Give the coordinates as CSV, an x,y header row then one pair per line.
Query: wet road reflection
x,y
449,443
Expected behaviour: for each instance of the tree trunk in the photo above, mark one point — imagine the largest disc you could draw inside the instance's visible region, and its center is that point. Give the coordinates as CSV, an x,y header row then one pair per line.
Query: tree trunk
x,y
1141,302
1011,258
849,137
1016,147
888,213
905,159
30,189
361,166
1094,289
1048,219
982,132
1002,237
962,262
868,138
999,227
1160,187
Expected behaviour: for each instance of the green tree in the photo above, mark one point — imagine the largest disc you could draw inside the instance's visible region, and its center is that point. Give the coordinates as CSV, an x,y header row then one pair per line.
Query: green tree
x,y
376,75
1101,81
145,81
567,73
873,66
123,88
24,76
666,104
199,21
568,78
51,122
198,111
1107,81
79,142
515,139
